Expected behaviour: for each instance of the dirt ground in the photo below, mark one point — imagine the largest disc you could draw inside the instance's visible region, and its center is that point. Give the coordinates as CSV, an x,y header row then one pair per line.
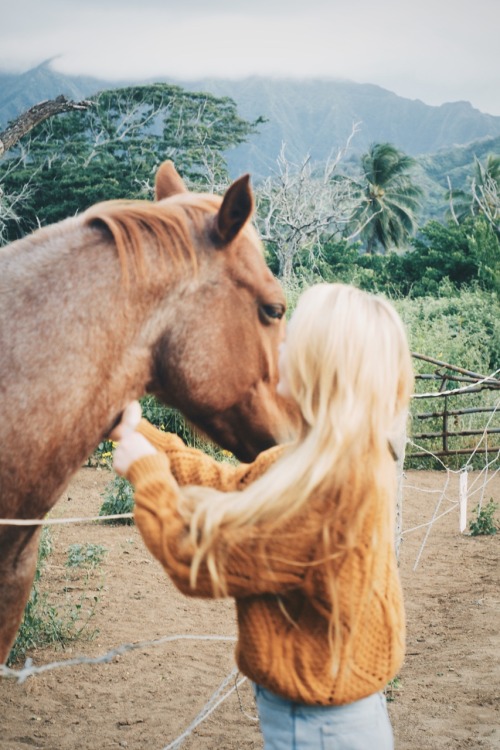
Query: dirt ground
x,y
449,687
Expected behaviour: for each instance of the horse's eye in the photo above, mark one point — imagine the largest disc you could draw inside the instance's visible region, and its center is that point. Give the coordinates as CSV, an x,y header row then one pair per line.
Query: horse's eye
x,y
272,312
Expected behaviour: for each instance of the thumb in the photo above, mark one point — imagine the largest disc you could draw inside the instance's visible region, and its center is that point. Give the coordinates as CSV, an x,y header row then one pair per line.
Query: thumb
x,y
132,415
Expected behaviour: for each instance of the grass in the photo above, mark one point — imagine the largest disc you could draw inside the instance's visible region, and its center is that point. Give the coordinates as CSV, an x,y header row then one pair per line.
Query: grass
x,y
45,624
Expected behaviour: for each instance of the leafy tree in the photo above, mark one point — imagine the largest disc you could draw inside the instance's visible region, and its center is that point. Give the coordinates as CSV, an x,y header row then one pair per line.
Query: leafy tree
x,y
11,203
439,252
113,148
390,199
443,258
463,254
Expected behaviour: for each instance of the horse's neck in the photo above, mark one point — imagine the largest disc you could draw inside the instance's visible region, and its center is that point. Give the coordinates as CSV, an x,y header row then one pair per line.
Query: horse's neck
x,y
76,345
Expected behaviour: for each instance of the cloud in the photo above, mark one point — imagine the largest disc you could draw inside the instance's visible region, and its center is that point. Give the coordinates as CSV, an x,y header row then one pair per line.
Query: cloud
x,y
431,50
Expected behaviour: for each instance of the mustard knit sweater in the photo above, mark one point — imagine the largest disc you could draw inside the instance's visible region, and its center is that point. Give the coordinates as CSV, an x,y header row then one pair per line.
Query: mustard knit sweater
x,y
282,600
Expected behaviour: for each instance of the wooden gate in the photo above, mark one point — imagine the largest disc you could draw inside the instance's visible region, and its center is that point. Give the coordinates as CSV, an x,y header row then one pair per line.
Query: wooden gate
x,y
448,435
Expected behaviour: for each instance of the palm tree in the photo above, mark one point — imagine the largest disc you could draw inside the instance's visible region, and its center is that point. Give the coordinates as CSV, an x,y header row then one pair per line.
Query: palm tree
x,y
390,199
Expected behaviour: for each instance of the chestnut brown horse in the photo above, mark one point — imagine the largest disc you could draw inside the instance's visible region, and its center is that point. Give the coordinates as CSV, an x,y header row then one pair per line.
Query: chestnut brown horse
x,y
171,297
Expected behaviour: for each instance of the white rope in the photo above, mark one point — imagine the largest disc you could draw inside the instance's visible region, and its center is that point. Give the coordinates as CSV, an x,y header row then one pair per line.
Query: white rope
x,y
56,521
29,670
429,453
429,523
484,436
213,702
478,485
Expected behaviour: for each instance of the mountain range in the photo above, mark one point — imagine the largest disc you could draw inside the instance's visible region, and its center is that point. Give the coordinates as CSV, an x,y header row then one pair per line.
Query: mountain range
x,y
316,117
311,116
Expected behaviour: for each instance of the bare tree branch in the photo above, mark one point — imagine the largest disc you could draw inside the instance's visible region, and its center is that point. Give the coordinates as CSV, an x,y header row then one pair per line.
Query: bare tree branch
x,y
486,194
452,207
296,207
34,116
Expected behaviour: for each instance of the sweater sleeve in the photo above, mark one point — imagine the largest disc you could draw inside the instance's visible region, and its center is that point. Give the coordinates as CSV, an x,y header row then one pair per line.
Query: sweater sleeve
x,y
192,466
254,562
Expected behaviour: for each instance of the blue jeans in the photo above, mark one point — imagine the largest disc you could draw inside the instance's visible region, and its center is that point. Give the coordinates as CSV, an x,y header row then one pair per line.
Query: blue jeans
x,y
285,725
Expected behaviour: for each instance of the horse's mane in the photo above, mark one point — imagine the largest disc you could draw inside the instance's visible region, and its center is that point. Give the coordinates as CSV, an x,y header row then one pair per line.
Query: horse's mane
x,y
132,223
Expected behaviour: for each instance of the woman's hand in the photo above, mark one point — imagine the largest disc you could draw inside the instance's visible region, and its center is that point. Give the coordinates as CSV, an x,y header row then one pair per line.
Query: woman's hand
x,y
132,445
131,416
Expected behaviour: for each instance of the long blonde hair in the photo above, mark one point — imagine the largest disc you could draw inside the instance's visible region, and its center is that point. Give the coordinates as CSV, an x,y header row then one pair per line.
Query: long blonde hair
x,y
348,367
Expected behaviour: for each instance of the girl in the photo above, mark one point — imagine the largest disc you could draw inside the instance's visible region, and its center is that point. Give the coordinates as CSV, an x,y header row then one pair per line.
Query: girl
x,y
303,537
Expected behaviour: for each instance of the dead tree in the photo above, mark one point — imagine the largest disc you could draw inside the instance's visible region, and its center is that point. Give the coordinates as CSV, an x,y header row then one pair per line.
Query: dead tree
x,y
22,125
299,205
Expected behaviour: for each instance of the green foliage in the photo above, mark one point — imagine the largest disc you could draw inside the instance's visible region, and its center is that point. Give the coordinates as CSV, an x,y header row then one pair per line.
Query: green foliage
x,y
337,261
43,624
392,689
102,457
85,555
38,620
444,260
461,253
439,252
167,419
458,326
391,199
113,149
484,522
118,499
462,328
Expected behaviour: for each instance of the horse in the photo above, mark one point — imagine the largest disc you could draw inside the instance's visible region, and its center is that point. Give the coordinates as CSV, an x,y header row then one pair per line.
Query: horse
x,y
170,297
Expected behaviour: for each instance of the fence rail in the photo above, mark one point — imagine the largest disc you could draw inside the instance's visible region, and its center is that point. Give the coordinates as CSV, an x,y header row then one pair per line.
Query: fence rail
x,y
448,376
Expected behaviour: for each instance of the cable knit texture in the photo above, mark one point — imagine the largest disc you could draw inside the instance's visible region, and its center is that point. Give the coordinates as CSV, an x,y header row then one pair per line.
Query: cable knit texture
x,y
281,599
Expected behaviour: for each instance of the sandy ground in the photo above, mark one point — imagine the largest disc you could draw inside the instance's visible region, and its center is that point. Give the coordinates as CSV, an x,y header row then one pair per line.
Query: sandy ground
x,y
449,687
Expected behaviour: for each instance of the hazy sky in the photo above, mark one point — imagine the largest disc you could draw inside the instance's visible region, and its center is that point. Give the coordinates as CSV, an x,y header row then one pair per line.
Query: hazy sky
x,y
434,50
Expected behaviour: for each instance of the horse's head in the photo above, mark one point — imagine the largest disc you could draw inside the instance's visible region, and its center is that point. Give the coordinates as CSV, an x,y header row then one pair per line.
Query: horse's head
x,y
218,363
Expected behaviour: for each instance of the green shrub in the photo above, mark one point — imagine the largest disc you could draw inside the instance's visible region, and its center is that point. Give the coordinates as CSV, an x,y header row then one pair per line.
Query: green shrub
x,y
102,457
85,555
484,522
392,689
118,499
460,328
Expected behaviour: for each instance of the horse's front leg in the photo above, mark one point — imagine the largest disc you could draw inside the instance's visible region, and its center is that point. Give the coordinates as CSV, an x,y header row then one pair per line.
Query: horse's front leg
x,y
18,558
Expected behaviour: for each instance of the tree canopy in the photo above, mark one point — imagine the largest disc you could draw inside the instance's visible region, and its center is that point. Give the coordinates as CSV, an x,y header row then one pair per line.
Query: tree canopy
x,y
390,198
113,148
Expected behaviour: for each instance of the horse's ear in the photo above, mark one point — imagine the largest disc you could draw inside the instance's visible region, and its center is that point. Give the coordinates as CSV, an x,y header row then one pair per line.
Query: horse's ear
x,y
236,209
168,181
